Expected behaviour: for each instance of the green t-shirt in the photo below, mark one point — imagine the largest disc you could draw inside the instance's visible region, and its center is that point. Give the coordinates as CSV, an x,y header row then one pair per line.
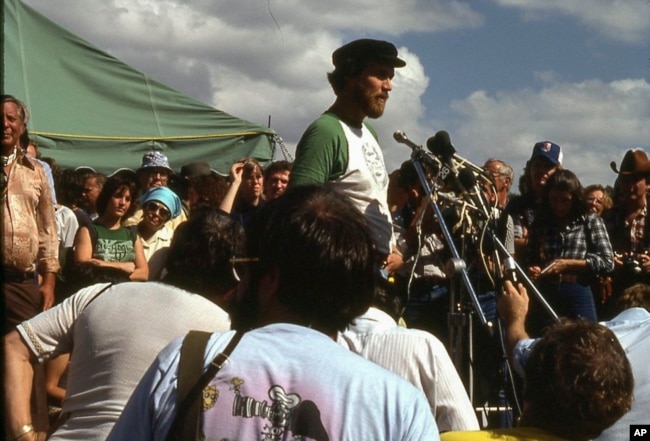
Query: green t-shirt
x,y
114,245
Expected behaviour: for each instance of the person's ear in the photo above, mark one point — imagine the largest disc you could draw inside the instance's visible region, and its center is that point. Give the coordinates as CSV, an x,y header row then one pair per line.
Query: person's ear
x,y
414,194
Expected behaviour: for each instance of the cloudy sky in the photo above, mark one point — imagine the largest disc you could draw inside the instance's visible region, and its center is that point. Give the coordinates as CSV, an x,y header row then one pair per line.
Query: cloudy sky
x,y
498,75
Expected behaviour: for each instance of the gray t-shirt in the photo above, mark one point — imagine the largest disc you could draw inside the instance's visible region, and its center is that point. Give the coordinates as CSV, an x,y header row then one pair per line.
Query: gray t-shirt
x,y
115,339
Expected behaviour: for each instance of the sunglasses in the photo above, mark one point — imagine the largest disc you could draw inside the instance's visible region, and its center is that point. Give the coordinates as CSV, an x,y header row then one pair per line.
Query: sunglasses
x,y
160,209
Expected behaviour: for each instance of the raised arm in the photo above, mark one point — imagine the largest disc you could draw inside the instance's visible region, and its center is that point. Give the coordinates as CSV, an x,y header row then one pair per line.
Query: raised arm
x,y
228,201
512,305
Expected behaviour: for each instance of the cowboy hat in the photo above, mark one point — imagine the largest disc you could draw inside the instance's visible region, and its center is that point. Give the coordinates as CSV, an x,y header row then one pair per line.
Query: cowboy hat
x,y
635,162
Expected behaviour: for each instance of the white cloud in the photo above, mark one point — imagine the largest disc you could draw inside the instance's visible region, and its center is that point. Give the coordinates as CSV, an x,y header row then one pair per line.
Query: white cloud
x,y
594,122
255,59
619,20
261,58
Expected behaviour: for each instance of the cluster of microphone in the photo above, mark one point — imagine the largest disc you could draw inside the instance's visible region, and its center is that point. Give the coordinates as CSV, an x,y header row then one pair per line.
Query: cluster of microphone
x,y
459,175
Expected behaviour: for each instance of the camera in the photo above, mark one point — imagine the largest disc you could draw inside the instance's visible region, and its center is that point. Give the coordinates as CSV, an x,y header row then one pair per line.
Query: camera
x,y
631,263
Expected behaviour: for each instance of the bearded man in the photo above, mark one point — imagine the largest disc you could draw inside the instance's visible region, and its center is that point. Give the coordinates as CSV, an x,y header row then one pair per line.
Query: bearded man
x,y
341,151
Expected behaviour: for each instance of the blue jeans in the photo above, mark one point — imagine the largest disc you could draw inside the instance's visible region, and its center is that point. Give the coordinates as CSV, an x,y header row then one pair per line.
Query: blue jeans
x,y
571,300
575,300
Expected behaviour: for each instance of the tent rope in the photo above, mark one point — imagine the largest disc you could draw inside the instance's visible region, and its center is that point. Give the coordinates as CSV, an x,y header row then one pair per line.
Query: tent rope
x,y
148,138
285,152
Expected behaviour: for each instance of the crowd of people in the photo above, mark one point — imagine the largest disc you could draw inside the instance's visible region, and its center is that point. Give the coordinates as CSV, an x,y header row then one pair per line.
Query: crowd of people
x,y
323,283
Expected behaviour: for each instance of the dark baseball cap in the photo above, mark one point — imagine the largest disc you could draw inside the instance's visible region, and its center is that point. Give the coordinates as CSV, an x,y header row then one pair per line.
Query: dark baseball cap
x,y
548,150
195,168
367,49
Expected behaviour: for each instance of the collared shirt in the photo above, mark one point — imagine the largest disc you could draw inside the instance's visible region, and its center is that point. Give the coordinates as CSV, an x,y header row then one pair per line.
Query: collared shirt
x,y
30,241
632,328
156,250
418,357
584,238
627,236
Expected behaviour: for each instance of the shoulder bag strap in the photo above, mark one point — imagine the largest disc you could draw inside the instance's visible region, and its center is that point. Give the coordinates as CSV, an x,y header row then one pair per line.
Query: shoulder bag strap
x,y
186,424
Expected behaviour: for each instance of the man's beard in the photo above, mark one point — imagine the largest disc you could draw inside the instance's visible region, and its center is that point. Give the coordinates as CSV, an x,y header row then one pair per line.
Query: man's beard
x,y
373,105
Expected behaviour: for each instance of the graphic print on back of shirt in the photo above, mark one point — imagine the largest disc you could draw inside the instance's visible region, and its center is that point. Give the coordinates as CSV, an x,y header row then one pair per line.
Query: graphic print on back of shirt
x,y
283,412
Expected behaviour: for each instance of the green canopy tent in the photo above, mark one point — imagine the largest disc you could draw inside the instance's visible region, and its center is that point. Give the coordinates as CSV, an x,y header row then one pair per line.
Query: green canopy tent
x,y
89,108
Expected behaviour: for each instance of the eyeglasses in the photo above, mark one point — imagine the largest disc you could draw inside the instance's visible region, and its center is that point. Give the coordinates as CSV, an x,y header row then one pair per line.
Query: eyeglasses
x,y
160,209
595,200
495,174
238,261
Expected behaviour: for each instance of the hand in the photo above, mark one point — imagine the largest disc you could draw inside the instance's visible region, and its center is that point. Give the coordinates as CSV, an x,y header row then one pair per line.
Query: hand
x,y
512,304
46,288
558,266
644,259
534,272
393,262
618,260
236,171
128,267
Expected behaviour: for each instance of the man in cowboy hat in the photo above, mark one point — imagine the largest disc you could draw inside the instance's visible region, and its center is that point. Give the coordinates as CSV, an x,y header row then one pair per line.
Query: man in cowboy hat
x,y
628,225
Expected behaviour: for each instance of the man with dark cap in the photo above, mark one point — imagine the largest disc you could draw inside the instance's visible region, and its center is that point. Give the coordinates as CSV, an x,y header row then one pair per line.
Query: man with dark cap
x,y
628,226
341,151
181,186
545,159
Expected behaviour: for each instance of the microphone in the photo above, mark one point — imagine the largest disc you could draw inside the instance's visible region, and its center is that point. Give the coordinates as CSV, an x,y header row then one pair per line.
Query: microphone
x,y
440,145
473,191
403,139
432,163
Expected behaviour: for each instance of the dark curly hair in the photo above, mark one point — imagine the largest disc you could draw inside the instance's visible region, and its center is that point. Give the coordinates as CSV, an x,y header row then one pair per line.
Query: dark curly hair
x,y
200,253
578,381
322,249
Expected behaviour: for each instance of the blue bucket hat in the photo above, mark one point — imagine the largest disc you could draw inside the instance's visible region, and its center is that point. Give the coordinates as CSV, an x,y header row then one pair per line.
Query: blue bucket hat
x,y
155,159
166,197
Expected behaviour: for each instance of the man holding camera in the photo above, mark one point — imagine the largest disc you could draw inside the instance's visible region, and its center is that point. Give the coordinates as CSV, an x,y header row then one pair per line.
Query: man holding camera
x,y
628,226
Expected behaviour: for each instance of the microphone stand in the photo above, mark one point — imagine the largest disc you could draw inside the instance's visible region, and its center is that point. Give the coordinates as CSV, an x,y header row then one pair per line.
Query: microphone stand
x,y
511,263
456,269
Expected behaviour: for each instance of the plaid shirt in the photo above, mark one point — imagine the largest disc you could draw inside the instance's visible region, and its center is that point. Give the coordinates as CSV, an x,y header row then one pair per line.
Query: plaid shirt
x,y
584,238
627,236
